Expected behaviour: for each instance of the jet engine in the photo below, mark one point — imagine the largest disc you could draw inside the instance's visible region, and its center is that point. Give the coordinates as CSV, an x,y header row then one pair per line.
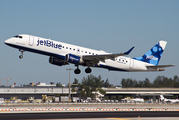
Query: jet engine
x,y
74,59
57,61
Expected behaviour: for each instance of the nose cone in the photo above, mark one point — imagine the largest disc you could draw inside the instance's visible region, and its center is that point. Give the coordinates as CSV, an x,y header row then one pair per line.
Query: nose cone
x,y
8,41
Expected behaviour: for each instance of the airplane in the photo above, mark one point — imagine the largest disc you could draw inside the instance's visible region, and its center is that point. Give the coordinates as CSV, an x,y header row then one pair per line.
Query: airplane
x,y
62,54
168,100
133,100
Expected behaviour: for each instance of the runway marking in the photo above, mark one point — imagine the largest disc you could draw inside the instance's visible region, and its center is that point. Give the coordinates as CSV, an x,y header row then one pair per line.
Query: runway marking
x,y
119,118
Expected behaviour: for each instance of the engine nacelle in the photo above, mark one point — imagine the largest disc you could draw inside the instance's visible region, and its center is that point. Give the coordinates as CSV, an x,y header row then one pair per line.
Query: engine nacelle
x,y
56,61
74,59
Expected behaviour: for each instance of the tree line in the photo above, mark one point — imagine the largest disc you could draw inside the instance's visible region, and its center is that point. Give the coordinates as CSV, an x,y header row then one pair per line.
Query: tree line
x,y
159,82
89,84
92,83
96,82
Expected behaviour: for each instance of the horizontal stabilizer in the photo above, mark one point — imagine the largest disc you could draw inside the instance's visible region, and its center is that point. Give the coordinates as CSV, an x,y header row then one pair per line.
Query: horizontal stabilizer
x,y
160,66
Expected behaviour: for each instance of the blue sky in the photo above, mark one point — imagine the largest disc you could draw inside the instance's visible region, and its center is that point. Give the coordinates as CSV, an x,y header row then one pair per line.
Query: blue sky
x,y
113,26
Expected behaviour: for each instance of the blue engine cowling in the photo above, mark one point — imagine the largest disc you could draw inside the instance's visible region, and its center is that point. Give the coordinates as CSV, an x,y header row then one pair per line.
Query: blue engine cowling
x,y
74,59
57,61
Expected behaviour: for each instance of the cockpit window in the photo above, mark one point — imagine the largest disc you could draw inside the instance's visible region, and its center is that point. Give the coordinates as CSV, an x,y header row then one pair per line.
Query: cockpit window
x,y
18,36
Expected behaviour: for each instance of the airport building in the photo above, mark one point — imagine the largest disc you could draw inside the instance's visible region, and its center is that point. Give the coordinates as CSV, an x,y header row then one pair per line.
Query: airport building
x,y
36,91
153,93
52,90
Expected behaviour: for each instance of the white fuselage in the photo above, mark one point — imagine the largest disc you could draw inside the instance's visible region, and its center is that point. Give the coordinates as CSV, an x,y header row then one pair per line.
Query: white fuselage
x,y
171,100
59,49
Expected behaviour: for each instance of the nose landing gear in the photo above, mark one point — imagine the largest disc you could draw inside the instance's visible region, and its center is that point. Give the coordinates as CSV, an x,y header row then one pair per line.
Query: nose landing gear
x,y
21,56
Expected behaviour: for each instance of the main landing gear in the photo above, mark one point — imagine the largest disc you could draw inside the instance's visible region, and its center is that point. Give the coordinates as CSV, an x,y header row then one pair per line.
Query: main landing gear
x,y
21,56
88,70
78,71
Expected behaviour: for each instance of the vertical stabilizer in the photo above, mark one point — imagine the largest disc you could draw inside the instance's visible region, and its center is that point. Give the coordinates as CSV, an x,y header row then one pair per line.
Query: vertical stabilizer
x,y
154,54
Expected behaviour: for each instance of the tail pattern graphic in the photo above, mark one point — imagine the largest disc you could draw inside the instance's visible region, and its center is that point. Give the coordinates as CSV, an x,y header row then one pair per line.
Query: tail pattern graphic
x,y
154,54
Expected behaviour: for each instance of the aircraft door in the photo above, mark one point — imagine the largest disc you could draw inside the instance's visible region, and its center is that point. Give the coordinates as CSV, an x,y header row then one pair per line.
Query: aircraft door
x,y
131,65
31,40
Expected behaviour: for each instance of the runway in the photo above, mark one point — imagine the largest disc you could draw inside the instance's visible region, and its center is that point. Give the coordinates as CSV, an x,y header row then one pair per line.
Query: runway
x,y
90,112
80,115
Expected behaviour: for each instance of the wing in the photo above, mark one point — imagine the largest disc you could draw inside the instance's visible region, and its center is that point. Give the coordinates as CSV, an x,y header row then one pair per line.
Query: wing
x,y
94,59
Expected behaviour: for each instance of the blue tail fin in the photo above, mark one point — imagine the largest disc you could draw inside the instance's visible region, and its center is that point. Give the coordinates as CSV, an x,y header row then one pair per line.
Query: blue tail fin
x,y
154,54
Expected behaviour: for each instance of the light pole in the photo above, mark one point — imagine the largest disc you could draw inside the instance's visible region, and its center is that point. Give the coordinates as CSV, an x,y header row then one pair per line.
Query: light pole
x,y
69,84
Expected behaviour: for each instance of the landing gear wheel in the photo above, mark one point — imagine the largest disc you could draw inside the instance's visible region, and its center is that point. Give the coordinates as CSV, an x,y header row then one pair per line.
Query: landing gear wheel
x,y
77,71
88,70
21,56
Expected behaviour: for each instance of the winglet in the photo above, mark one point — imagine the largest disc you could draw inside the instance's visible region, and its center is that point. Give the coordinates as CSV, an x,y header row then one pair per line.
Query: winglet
x,y
126,53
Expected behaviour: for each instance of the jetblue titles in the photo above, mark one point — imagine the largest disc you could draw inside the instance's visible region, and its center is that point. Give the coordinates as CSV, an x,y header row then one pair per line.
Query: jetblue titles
x,y
151,57
48,43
